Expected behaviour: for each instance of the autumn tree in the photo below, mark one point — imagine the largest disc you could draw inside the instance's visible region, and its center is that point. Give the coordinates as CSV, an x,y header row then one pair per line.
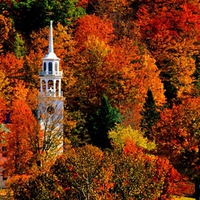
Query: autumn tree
x,y
119,70
175,33
83,175
177,136
121,12
13,87
20,140
80,173
136,147
121,134
165,178
3,83
40,186
141,74
2,110
88,173
6,28
92,25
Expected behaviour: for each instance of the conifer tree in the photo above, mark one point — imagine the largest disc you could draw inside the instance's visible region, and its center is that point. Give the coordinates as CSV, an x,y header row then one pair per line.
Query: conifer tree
x,y
149,115
99,123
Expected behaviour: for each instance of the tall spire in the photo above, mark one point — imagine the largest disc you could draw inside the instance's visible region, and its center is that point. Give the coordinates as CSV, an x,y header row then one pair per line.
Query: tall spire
x,y
51,38
51,54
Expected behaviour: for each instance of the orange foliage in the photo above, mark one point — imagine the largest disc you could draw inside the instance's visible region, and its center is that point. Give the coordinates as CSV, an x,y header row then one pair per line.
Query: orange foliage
x,y
83,3
6,25
11,65
120,71
2,110
20,138
175,20
177,135
13,87
138,73
175,33
121,13
173,182
92,25
170,180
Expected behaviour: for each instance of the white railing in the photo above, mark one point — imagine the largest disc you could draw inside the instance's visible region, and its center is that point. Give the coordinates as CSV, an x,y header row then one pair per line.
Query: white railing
x,y
50,73
51,94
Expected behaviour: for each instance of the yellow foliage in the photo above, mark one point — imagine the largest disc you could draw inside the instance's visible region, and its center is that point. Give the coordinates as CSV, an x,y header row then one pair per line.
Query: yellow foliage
x,y
32,98
152,80
94,44
121,134
4,84
6,25
20,91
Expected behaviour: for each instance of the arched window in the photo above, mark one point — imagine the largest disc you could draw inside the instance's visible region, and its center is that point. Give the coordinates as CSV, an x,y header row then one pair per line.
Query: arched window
x,y
50,84
43,85
56,66
57,85
45,67
50,67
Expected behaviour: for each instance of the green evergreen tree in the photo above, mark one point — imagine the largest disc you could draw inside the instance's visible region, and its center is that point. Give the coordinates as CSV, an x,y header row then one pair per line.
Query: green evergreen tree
x,y
18,46
149,115
98,124
31,15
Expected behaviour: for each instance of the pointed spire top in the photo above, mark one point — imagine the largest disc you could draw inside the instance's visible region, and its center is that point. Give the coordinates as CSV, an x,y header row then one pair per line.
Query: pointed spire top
x,y
51,38
51,54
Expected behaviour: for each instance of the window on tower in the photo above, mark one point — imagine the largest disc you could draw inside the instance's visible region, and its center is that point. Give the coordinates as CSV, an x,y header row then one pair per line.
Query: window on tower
x,y
45,67
56,66
50,67
50,109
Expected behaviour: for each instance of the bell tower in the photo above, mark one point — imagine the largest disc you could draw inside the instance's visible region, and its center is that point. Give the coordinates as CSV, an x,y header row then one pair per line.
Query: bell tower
x,y
50,108
50,76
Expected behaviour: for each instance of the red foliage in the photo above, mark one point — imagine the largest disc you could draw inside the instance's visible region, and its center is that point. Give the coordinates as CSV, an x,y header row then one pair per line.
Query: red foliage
x,y
173,182
2,110
82,3
91,25
20,138
170,180
177,135
175,20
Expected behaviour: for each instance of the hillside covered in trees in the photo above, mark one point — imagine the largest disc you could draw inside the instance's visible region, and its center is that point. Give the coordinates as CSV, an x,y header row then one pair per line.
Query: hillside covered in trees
x,y
131,82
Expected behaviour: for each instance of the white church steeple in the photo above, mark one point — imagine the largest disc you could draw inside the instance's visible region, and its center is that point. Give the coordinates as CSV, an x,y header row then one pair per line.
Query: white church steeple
x,y
50,100
50,76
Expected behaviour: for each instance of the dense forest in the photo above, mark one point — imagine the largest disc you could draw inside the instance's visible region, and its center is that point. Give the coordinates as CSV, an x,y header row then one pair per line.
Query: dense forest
x,y
131,83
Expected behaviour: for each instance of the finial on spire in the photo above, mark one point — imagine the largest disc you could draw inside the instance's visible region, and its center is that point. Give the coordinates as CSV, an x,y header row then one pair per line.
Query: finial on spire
x,y
51,38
